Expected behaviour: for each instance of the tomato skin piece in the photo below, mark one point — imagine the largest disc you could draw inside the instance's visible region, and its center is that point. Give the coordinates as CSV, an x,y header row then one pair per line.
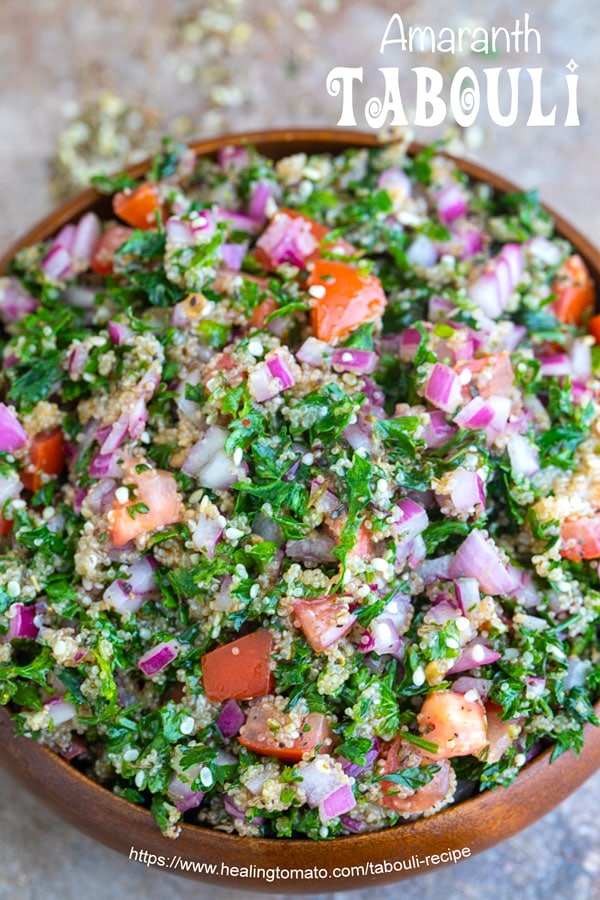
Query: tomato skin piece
x,y
258,736
498,732
138,207
349,300
594,328
492,375
456,725
320,621
582,537
47,456
158,490
402,755
262,311
575,291
240,670
104,253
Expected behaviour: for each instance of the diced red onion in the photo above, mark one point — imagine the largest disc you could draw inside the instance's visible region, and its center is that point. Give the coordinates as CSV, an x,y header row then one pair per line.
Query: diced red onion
x,y
477,557
119,333
523,455
443,388
413,519
87,234
15,301
56,265
322,499
100,497
313,352
438,431
410,339
158,658
141,576
78,360
21,621
362,362
581,360
418,552
352,825
231,158
451,203
476,414
230,719
438,309
312,550
501,407
337,803
353,769
287,240
239,221
525,590
437,569
469,240
474,655
207,534
12,434
442,612
395,180
209,463
318,783
358,436
422,252
60,711
496,283
261,194
387,641
555,365
545,250
75,749
466,491
279,368
105,466
122,598
468,683
182,795
467,593
231,809
233,254
224,599
577,672
65,237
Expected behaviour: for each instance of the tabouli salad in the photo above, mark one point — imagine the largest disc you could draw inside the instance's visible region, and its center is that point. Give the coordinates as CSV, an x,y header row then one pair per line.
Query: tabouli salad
x,y
300,483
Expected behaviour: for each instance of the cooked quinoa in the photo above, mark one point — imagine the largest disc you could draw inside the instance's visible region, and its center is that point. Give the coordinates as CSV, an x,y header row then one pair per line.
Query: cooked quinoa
x,y
300,483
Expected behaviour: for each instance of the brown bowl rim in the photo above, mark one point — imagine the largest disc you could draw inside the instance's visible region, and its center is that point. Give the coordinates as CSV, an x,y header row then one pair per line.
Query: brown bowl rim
x,y
477,823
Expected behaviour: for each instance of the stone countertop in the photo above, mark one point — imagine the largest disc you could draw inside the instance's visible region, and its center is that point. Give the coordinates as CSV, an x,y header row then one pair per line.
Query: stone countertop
x,y
72,73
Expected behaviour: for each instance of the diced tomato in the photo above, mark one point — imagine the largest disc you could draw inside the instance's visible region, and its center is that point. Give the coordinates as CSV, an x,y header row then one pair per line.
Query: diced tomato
x,y
262,311
498,733
492,375
319,233
262,733
240,670
349,299
5,525
575,291
323,621
362,546
46,456
402,755
594,328
138,207
157,490
581,538
110,241
456,725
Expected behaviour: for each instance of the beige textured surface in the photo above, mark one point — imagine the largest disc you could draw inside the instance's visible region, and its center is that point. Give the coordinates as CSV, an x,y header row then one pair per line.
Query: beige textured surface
x,y
228,65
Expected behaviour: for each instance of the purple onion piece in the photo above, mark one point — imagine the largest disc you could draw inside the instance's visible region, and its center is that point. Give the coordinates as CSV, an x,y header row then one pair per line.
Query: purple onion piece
x,y
158,658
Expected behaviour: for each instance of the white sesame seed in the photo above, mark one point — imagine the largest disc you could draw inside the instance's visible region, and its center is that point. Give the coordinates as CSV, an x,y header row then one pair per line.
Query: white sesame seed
x,y
462,623
452,643
187,725
418,676
131,755
238,455
122,495
317,291
139,778
233,534
255,347
308,459
379,564
471,696
13,588
255,591
235,651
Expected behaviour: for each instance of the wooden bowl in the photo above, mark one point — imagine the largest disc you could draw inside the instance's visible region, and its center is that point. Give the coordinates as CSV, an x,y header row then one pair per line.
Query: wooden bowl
x,y
264,864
